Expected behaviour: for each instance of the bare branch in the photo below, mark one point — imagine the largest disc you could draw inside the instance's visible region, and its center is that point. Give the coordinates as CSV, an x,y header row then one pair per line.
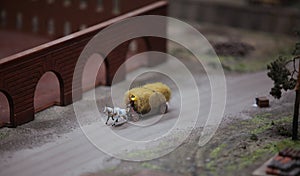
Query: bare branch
x,y
294,64
292,76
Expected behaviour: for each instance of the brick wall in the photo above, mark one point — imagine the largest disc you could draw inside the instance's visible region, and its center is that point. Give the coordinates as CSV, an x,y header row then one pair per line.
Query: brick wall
x,y
20,73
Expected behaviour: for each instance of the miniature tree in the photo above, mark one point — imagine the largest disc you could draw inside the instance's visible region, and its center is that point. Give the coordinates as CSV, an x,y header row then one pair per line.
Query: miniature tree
x,y
286,78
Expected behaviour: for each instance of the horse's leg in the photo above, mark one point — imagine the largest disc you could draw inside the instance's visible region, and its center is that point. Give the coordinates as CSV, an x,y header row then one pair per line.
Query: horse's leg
x,y
114,123
107,118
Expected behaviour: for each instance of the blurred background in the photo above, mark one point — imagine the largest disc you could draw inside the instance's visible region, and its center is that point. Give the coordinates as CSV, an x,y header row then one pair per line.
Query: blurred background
x,y
28,23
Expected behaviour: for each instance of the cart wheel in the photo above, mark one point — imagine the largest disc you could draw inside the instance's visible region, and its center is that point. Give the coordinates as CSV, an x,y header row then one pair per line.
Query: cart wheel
x,y
163,108
135,117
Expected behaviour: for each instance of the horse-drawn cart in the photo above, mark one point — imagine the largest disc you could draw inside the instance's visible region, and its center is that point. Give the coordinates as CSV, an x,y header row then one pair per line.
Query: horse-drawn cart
x,y
151,98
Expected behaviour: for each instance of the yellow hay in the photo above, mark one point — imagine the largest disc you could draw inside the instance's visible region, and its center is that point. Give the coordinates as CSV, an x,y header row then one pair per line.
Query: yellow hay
x,y
149,95
161,88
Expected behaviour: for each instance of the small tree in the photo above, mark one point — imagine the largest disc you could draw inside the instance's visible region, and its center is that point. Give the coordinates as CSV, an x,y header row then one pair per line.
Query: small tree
x,y
287,78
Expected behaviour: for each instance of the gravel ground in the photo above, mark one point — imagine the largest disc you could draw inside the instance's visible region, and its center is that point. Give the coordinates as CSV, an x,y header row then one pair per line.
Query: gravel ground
x,y
38,132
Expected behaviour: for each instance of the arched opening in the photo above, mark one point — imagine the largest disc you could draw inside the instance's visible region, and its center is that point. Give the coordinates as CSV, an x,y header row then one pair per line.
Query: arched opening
x,y
116,7
5,111
35,24
67,28
99,5
19,20
95,65
51,27
47,92
3,18
137,46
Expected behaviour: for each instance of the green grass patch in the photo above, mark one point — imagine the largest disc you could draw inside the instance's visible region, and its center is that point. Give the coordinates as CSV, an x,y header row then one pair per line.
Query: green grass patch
x,y
265,122
261,123
150,166
215,153
249,159
252,152
211,165
268,150
286,143
285,119
139,153
262,128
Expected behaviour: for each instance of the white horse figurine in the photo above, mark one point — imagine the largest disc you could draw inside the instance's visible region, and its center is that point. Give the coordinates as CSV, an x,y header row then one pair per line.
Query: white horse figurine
x,y
110,113
121,115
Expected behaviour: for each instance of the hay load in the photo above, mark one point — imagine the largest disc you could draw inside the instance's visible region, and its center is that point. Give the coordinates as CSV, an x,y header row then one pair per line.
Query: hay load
x,y
149,97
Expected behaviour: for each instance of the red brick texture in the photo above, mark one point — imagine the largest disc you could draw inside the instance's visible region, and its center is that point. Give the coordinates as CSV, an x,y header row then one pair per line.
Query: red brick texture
x,y
20,73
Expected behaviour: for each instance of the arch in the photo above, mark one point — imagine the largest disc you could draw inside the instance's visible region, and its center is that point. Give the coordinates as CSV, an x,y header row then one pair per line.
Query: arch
x,y
35,24
99,6
6,109
137,46
19,20
3,18
67,28
83,4
116,7
48,91
92,66
51,27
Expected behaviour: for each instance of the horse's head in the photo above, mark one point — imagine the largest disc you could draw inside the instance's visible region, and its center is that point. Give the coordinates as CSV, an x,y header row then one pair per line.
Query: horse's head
x,y
108,109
